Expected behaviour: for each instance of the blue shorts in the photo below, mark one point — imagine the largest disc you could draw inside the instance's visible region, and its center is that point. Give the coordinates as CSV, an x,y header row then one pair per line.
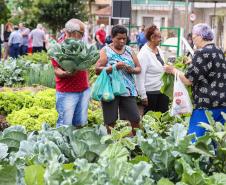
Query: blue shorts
x,y
198,115
72,108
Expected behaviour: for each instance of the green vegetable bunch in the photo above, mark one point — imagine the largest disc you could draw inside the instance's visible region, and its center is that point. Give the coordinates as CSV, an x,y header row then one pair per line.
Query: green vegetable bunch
x,y
74,55
168,79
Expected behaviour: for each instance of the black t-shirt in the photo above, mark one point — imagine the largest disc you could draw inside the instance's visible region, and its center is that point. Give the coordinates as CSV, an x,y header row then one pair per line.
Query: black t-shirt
x,y
207,72
6,36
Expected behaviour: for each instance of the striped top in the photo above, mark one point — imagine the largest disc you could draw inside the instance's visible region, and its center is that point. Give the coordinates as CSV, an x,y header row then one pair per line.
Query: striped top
x,y
127,58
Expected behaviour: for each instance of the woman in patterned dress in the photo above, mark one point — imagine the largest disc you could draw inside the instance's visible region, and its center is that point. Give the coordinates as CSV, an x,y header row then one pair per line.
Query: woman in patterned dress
x,y
207,76
119,54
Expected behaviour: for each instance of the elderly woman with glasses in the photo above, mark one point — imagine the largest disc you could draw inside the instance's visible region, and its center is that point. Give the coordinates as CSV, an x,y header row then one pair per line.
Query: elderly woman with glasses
x,y
207,76
149,82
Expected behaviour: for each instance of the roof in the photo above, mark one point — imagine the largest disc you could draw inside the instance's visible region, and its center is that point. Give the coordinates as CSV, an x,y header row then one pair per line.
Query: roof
x,y
104,11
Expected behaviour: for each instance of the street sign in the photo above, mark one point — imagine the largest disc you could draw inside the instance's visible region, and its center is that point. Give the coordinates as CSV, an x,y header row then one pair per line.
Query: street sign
x,y
121,9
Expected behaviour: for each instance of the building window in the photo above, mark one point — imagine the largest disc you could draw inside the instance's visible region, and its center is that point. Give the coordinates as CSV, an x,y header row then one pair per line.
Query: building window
x,y
148,21
163,21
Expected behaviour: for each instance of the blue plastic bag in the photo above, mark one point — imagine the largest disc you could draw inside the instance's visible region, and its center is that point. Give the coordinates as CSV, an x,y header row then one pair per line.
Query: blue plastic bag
x,y
118,85
102,89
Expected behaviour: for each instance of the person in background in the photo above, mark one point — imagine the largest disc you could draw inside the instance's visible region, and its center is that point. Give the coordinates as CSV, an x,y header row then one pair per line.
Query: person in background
x,y
121,55
72,89
207,76
141,38
38,38
149,81
100,37
8,30
24,32
15,42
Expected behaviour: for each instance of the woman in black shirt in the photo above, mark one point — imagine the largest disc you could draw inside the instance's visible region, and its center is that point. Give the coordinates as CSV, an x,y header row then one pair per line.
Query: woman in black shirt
x,y
207,75
7,32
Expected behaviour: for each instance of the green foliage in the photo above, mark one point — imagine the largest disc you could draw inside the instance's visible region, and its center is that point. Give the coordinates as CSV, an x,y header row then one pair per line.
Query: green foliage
x,y
34,174
8,175
40,57
32,118
14,101
161,122
4,12
61,10
74,55
11,72
41,75
168,79
95,115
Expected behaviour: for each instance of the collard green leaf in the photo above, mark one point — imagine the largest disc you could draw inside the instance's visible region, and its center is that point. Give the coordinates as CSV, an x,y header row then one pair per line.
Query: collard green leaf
x,y
8,175
164,181
34,175
217,179
3,151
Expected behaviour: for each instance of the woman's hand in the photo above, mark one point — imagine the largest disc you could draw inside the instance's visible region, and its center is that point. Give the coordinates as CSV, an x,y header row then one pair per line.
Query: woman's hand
x,y
170,69
144,102
120,65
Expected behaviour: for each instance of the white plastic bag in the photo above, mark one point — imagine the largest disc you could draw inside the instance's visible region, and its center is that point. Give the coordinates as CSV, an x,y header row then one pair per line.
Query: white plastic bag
x,y
181,100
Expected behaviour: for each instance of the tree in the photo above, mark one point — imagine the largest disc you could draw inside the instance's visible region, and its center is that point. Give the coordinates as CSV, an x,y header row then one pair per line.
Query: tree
x,y
56,13
4,12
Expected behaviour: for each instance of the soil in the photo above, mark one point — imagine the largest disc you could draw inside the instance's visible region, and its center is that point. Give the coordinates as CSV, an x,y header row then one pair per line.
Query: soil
x,y
32,89
3,123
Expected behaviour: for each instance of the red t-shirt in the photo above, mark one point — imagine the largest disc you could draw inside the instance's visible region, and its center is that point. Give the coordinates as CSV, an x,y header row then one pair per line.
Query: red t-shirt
x,y
77,83
102,35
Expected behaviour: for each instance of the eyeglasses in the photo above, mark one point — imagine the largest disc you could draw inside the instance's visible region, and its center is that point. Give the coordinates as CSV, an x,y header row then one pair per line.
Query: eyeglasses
x,y
82,33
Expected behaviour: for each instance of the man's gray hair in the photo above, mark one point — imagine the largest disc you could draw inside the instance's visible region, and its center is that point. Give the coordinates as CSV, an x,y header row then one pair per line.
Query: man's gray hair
x,y
73,25
204,31
39,26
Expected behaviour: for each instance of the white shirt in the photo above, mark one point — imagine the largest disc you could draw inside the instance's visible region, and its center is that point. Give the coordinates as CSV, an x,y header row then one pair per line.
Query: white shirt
x,y
151,71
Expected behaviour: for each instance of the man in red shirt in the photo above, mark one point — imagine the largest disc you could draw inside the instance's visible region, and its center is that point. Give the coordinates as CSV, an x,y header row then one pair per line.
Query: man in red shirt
x,y
72,89
100,37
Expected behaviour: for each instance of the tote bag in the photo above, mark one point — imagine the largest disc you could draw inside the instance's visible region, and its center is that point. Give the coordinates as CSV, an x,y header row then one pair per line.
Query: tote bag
x,y
102,89
181,100
118,85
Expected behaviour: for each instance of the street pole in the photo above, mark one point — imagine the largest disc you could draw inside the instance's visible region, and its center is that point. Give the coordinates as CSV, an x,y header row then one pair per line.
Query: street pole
x,y
186,26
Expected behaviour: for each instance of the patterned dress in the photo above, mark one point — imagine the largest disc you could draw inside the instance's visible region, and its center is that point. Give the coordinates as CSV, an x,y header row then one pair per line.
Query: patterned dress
x,y
127,58
208,76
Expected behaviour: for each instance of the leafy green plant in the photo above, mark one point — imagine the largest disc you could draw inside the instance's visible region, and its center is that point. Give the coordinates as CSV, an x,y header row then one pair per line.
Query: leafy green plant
x,y
13,101
40,57
168,79
11,72
74,55
41,75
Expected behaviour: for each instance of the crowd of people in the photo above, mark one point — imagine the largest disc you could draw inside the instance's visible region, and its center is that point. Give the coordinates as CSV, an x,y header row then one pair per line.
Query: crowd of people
x,y
18,39
141,73
142,76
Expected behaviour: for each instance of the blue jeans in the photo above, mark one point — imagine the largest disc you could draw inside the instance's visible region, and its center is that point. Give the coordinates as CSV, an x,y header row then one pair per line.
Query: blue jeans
x,y
23,50
198,115
72,108
14,50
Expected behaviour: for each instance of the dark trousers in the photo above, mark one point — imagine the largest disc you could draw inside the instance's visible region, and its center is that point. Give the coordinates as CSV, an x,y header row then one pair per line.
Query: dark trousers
x,y
23,50
14,50
157,103
37,49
